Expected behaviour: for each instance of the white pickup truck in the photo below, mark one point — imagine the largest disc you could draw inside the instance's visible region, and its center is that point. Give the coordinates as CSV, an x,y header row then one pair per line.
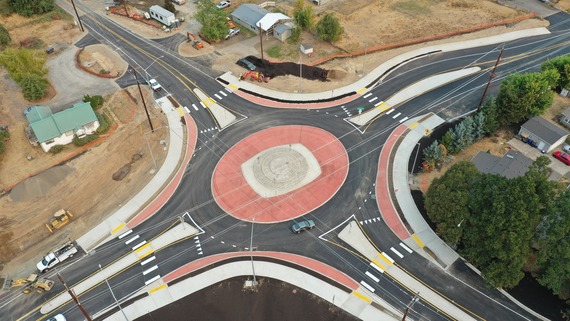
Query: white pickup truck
x,y
60,254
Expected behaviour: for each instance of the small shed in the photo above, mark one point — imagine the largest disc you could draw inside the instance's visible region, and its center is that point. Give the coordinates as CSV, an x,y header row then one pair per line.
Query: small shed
x,y
162,15
320,2
307,48
543,134
565,118
282,31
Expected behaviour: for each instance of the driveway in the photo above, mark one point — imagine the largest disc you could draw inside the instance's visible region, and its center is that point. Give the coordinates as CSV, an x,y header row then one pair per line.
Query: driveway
x,y
558,168
542,9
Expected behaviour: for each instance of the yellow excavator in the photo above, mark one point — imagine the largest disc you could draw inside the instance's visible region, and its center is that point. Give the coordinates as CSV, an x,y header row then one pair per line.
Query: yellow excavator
x,y
31,283
59,219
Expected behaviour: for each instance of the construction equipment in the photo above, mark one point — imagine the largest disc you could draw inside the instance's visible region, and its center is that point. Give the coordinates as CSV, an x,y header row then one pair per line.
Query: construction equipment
x,y
254,76
59,219
230,23
195,42
31,283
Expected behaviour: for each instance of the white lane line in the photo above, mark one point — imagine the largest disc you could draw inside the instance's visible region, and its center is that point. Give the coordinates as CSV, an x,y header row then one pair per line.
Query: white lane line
x,y
390,111
373,277
218,96
187,110
397,253
125,234
373,99
366,285
387,257
139,245
406,248
131,240
194,105
150,259
201,103
367,95
223,93
376,267
150,270
403,119
396,116
152,280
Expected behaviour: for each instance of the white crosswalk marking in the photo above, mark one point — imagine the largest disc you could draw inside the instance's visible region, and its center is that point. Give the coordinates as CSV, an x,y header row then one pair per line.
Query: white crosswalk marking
x,y
195,107
378,104
373,99
367,95
201,103
187,110
218,96
403,119
372,276
390,111
223,93
366,285
405,247
396,251
396,116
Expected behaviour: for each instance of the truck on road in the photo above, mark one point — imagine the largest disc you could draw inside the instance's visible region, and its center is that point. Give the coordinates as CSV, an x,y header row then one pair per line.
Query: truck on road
x,y
56,256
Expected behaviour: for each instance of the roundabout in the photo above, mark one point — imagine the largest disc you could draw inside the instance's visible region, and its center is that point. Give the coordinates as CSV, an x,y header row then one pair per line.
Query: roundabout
x,y
279,174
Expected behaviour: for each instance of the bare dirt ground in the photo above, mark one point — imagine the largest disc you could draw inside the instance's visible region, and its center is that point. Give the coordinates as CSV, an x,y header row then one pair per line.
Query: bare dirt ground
x,y
85,184
272,300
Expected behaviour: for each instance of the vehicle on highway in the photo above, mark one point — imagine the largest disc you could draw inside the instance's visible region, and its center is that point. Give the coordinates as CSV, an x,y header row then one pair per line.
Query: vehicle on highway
x,y
232,33
56,256
246,64
154,85
563,157
224,4
58,317
303,225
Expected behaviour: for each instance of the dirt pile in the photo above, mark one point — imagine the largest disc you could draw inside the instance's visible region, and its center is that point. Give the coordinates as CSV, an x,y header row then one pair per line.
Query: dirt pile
x,y
276,69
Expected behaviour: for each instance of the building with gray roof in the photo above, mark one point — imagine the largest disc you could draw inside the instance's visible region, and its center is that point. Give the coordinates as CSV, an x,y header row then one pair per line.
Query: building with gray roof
x,y
512,164
543,134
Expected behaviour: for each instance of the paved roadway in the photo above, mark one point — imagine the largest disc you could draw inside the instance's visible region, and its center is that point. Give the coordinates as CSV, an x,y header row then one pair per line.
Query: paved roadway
x,y
224,233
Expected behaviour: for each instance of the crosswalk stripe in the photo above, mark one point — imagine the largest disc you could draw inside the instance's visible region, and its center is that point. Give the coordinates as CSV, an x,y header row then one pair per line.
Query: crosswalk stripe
x,y
372,276
150,270
223,93
367,95
403,119
195,107
397,253
187,110
218,96
390,111
366,285
405,247
373,99
396,116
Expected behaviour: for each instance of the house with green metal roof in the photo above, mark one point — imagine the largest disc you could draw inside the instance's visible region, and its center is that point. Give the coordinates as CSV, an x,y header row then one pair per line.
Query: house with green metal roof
x,y
48,129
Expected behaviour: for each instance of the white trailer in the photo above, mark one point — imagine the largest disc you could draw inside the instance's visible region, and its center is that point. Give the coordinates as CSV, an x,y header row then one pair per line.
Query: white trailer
x,y
56,256
162,15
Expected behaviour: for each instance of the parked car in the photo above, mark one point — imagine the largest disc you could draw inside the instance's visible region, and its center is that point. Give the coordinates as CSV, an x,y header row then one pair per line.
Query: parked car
x,y
58,317
232,33
566,148
224,4
303,225
246,64
563,157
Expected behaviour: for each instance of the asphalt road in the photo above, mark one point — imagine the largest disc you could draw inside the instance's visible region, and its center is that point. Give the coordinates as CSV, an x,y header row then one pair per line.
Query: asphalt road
x,y
223,233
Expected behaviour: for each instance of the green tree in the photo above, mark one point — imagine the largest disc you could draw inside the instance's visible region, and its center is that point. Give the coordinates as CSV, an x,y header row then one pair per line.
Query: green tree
x,y
329,28
28,8
304,16
168,5
5,38
33,86
523,96
553,237
458,138
433,155
478,126
562,66
447,199
295,35
213,20
489,110
504,214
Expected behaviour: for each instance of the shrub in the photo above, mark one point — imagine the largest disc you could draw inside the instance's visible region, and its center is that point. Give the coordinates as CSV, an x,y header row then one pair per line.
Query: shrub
x,y
28,8
96,101
33,86
329,28
5,9
81,141
104,123
295,35
32,43
5,38
3,136
56,149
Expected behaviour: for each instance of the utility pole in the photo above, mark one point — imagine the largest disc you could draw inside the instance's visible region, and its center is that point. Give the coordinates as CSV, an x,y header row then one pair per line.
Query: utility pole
x,y
85,314
260,39
78,19
113,294
413,301
125,6
142,98
491,78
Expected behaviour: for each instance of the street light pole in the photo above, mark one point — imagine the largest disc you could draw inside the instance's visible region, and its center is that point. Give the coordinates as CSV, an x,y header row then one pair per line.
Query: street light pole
x,y
147,75
415,158
251,252
112,293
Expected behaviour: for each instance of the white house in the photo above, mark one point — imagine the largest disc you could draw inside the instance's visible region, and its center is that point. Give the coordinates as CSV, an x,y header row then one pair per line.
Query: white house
x,y
542,134
48,130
